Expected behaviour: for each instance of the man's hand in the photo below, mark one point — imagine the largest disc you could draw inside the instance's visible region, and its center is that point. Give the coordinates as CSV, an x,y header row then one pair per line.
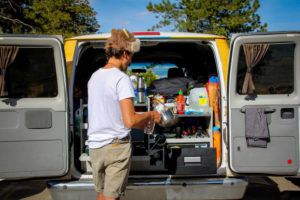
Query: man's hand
x,y
155,116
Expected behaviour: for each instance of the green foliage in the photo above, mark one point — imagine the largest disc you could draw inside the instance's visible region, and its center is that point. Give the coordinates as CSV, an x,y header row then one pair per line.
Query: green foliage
x,y
12,17
148,76
220,17
62,17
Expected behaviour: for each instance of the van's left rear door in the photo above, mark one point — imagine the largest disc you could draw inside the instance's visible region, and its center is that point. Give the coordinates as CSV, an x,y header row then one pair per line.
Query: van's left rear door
x,y
34,135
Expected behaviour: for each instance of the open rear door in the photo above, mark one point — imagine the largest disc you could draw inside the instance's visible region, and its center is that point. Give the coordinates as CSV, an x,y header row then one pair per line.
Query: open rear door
x,y
263,103
33,108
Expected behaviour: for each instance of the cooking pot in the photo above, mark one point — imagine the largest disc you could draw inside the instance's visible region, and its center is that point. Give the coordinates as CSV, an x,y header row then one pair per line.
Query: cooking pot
x,y
168,117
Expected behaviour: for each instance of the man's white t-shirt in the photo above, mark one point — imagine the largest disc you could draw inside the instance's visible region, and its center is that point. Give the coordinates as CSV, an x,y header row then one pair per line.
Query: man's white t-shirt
x,y
106,88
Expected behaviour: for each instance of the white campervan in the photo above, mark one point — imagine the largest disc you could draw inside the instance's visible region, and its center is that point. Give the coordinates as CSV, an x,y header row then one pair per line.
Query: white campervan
x,y
247,125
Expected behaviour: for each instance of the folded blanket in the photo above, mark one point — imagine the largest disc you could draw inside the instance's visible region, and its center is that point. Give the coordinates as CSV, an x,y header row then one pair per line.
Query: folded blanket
x,y
256,127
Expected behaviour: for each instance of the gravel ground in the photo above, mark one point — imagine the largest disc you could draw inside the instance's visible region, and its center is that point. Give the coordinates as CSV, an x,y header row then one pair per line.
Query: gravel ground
x,y
272,188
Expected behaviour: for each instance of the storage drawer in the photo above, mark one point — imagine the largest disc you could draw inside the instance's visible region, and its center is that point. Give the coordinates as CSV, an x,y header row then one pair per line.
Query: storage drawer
x,y
190,160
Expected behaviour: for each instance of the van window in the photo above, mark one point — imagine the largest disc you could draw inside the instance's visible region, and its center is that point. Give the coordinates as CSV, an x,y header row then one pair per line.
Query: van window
x,y
31,74
152,72
159,69
273,74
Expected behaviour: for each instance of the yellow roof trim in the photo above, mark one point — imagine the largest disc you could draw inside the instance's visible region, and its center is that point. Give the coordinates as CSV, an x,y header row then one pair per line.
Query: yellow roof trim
x,y
163,35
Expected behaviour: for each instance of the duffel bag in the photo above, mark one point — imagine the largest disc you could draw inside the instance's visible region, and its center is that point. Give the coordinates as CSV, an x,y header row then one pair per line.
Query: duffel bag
x,y
170,86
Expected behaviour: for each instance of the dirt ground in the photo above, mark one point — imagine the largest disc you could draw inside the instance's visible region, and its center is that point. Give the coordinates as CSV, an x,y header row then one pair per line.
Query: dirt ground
x,y
272,188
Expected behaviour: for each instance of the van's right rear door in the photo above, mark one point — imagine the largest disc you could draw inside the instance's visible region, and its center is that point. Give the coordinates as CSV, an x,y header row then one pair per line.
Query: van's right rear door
x,y
264,103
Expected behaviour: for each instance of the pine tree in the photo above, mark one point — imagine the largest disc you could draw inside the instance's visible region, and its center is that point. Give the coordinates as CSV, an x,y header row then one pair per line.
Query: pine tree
x,y
12,18
209,16
62,17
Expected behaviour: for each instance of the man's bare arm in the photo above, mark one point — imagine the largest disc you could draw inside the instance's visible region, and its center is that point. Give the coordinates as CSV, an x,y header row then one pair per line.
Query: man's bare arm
x,y
132,119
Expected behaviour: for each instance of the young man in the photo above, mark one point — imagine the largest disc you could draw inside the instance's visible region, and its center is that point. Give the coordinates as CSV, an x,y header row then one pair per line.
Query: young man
x,y
111,116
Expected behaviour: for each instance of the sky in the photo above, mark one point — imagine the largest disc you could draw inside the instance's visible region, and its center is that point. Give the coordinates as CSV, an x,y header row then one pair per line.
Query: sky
x,y
280,15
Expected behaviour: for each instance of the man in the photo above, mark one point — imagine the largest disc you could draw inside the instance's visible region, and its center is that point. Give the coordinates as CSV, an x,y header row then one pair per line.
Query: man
x,y
111,116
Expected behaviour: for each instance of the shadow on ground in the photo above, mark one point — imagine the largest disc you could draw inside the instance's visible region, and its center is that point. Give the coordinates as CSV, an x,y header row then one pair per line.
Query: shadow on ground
x,y
11,190
266,189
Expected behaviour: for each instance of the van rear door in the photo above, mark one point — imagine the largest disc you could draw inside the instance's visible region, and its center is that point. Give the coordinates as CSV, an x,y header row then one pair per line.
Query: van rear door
x,y
33,107
263,103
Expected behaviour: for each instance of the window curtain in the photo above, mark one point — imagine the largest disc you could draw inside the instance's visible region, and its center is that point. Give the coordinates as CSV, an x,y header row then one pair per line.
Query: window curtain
x,y
7,56
253,54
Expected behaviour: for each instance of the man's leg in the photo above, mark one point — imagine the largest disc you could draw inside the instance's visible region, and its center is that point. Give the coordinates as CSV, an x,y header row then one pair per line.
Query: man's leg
x,y
98,167
110,198
100,196
116,172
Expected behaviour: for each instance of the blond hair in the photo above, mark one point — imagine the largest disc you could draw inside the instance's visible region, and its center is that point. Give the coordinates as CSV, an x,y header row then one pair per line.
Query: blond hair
x,y
121,40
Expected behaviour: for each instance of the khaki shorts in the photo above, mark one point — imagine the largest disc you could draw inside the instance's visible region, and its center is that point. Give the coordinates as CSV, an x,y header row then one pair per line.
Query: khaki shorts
x,y
110,166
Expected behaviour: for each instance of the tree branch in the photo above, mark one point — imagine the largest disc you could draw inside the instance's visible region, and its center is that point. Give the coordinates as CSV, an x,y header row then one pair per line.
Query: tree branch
x,y
17,21
11,5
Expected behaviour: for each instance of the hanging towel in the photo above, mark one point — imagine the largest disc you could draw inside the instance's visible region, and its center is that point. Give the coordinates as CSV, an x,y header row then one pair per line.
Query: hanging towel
x,y
256,127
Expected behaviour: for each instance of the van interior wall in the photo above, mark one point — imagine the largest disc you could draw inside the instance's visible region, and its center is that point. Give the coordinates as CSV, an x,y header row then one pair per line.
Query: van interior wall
x,y
90,60
196,58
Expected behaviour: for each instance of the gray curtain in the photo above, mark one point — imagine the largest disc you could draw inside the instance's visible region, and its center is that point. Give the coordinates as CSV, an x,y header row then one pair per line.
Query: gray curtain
x,y
253,53
7,56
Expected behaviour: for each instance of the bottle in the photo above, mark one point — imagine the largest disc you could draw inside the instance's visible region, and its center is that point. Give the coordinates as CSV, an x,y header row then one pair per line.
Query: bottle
x,y
134,80
217,143
149,128
141,90
180,102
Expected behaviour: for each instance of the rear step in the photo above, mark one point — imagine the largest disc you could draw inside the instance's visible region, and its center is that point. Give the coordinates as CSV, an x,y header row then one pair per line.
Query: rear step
x,y
204,188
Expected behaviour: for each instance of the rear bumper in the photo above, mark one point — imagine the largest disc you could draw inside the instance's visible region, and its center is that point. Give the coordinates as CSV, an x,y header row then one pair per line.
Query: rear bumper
x,y
201,188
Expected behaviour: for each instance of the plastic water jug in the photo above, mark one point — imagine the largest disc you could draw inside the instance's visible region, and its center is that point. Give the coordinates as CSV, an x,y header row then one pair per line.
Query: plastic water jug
x,y
198,98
